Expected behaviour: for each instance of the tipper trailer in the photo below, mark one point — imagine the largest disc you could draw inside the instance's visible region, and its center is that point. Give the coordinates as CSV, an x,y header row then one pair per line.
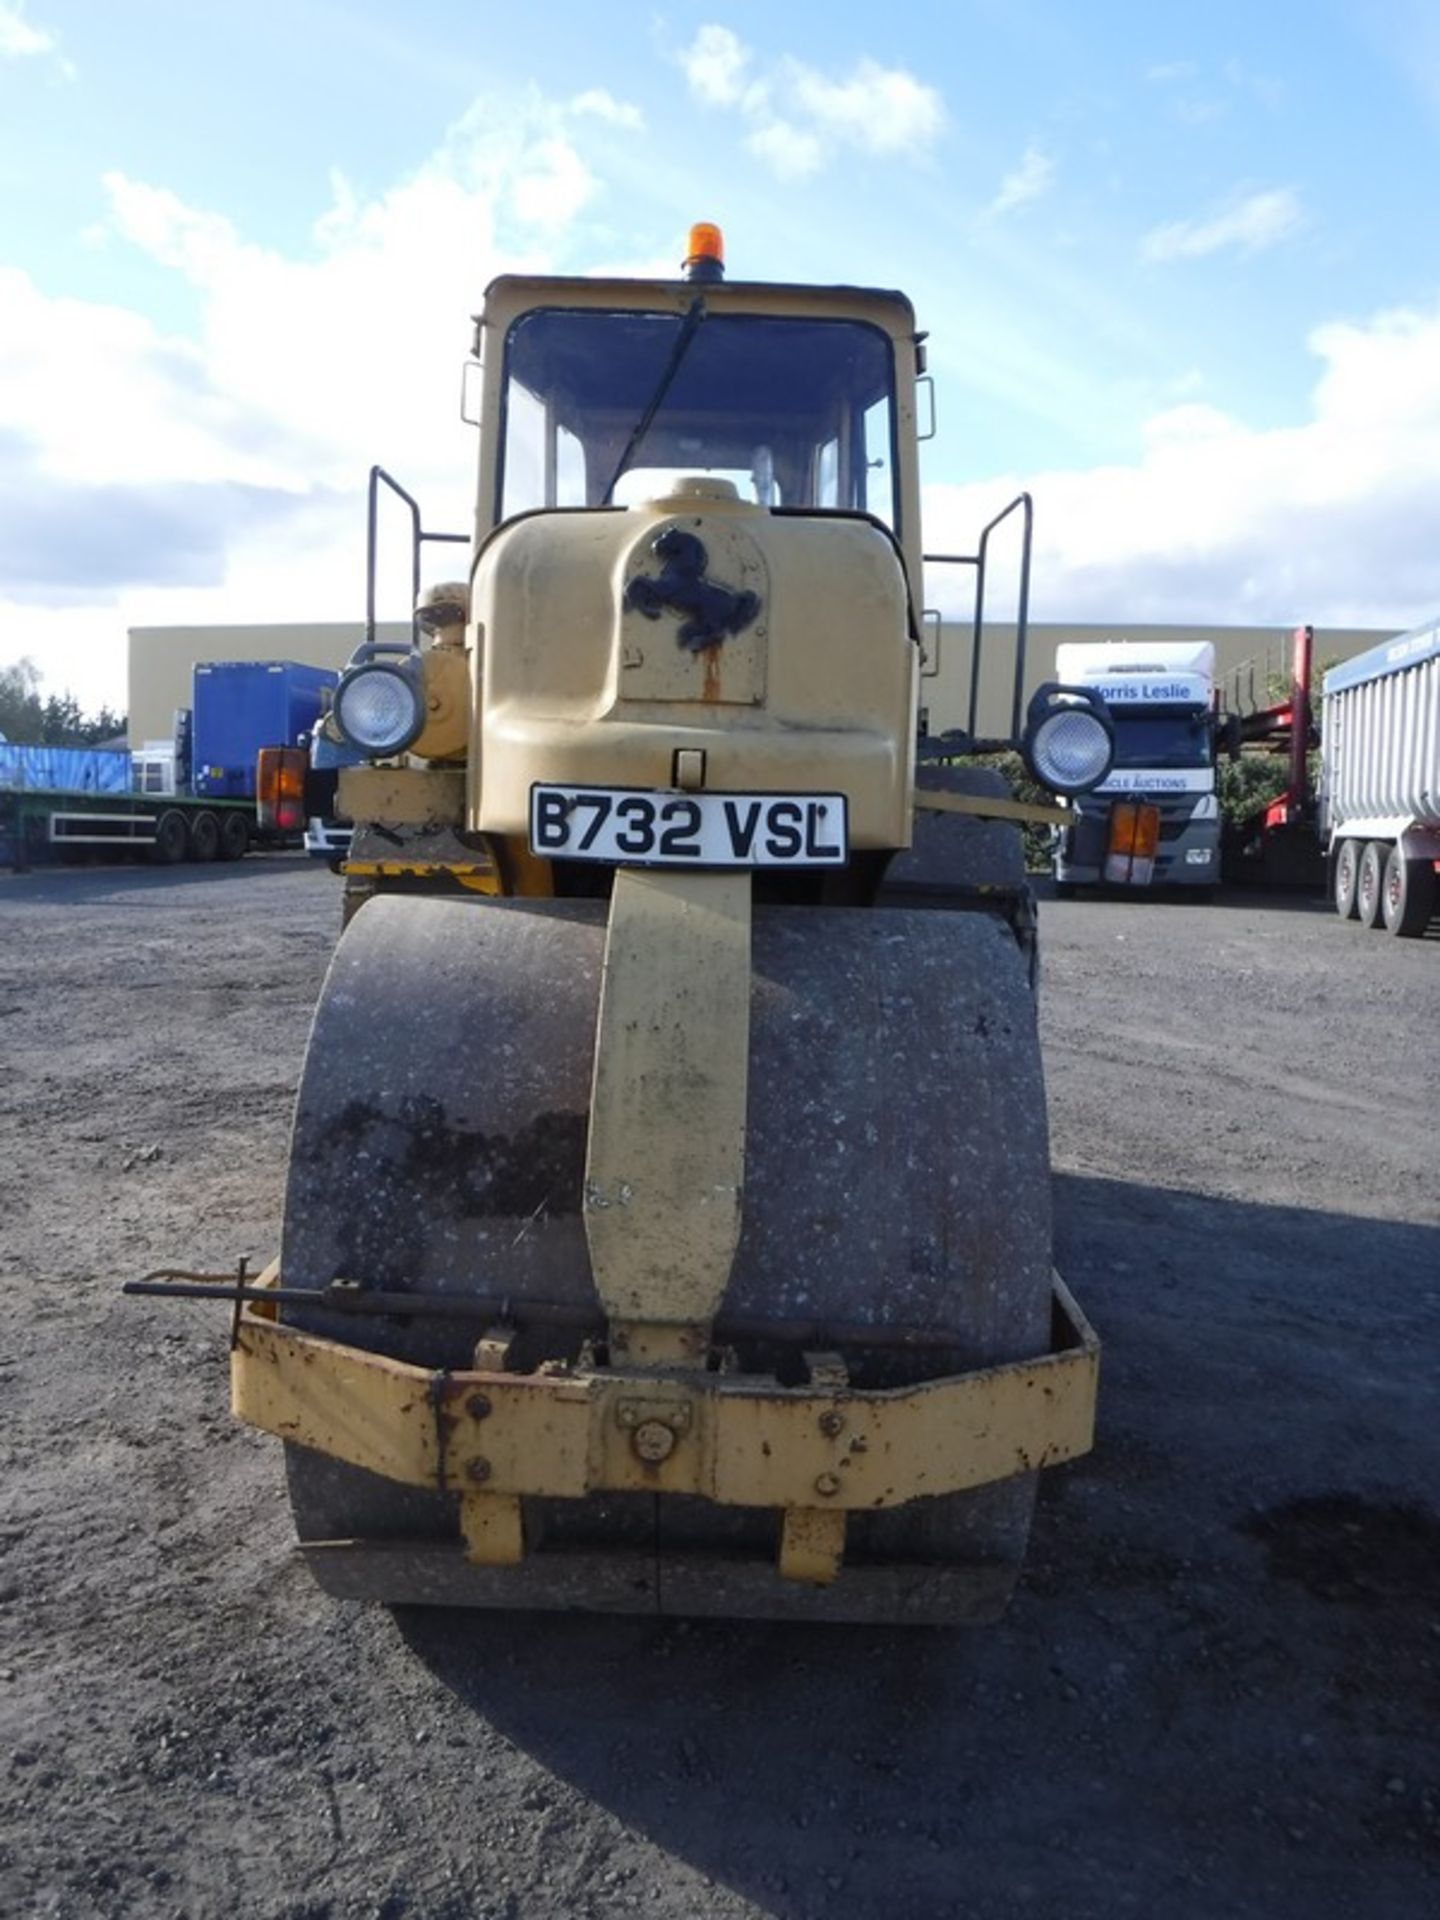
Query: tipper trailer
x,y
1380,782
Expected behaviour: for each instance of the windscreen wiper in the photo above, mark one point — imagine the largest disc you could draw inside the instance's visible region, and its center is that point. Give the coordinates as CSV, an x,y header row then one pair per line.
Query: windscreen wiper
x,y
688,329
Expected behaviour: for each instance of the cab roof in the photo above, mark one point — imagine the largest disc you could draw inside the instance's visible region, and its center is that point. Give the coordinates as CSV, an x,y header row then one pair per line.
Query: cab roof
x,y
512,294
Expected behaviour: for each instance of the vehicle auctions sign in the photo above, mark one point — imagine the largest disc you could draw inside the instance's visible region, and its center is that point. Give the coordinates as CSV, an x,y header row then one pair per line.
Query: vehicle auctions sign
x,y
1158,780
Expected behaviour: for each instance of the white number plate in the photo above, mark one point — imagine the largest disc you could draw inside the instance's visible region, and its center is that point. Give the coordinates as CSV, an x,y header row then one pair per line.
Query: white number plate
x,y
627,827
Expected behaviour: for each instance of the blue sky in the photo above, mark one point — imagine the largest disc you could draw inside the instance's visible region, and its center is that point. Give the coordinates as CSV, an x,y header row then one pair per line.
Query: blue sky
x,y
1180,268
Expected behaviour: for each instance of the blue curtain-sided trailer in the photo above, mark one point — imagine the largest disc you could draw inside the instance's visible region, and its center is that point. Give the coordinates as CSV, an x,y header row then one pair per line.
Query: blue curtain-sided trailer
x,y
243,705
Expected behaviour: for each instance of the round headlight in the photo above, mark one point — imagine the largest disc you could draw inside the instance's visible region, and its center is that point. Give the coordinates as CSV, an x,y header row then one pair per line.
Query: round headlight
x,y
378,709
1070,747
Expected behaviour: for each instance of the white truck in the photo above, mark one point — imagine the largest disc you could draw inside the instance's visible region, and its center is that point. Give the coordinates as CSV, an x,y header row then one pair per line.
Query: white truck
x,y
1380,782
1155,820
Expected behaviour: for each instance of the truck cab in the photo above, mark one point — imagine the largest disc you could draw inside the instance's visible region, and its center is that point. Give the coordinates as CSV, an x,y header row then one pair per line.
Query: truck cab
x,y
1154,821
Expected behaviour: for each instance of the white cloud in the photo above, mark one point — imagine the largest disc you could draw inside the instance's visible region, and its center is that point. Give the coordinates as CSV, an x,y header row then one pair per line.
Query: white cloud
x,y
20,41
554,186
1026,182
104,398
1329,520
715,64
878,109
1250,226
801,117
596,102
18,38
221,479
789,153
160,224
299,344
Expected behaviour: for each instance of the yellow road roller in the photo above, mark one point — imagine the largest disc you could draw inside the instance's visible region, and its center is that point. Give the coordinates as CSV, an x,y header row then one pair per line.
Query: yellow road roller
x,y
668,1212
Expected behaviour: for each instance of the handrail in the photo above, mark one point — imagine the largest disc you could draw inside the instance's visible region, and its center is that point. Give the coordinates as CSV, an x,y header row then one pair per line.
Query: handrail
x,y
418,536
978,560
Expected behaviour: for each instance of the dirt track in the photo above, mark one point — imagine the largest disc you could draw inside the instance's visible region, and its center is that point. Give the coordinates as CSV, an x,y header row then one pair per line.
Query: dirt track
x,y
1216,1695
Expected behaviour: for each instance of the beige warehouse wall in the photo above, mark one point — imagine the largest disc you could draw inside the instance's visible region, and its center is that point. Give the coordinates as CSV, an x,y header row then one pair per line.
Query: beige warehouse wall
x,y
1246,651
162,660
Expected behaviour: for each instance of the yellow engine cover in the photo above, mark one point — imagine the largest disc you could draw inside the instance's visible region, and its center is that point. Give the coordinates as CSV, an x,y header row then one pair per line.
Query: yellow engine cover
x,y
779,645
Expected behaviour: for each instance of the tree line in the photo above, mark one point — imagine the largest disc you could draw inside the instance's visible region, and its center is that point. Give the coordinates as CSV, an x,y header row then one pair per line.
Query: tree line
x,y
57,720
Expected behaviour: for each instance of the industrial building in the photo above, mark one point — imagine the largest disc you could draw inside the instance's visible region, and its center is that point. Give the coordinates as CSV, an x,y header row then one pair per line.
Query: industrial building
x,y
161,660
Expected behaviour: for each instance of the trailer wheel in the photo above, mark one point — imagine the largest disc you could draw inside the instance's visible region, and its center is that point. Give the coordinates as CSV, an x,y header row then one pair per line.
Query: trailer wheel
x,y
1347,879
172,839
234,836
1370,890
204,837
1408,895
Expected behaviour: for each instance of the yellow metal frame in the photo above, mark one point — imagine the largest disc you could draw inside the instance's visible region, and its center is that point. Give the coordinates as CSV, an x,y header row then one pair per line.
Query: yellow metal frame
x,y
479,878
992,807
815,1451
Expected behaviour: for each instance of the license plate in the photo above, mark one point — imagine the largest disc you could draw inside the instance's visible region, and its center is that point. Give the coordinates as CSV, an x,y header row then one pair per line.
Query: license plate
x,y
630,827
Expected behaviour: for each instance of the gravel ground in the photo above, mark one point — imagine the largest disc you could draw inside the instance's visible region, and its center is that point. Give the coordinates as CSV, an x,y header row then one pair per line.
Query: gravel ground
x,y
1215,1695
